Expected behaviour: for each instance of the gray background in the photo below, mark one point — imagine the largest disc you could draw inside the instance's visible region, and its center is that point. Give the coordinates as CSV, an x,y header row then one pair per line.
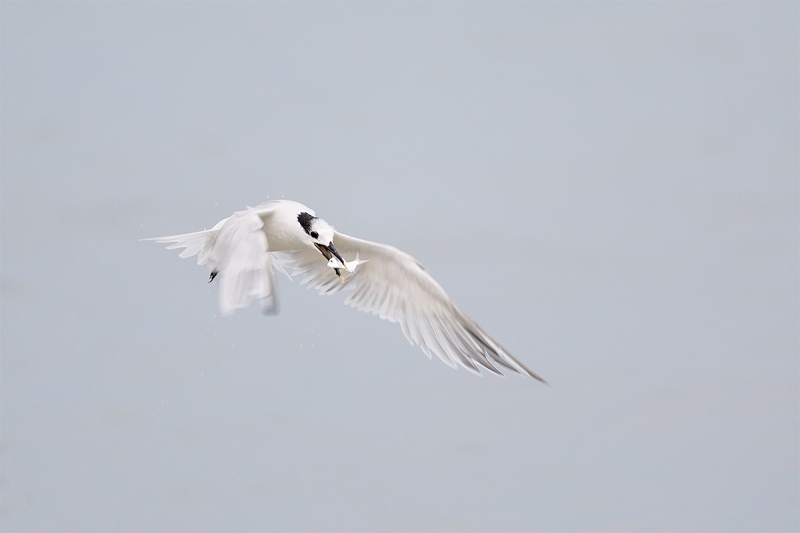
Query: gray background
x,y
610,189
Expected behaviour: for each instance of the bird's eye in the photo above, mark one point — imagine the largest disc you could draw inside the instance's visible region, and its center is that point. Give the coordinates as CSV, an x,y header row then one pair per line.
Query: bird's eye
x,y
314,234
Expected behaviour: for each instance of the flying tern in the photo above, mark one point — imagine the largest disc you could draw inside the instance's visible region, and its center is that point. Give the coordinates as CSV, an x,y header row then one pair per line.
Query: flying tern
x,y
244,251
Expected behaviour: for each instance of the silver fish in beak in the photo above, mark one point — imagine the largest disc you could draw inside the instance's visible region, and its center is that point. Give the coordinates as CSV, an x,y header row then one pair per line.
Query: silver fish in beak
x,y
330,251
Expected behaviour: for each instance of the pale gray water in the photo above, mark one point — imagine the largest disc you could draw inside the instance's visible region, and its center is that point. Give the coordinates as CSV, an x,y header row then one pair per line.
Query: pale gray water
x,y
610,189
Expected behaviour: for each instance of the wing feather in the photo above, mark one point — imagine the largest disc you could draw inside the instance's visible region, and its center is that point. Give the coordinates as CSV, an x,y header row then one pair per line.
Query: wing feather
x,y
395,286
236,252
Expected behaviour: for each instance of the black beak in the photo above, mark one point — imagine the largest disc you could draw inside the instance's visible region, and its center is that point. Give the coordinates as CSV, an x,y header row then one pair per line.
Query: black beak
x,y
330,251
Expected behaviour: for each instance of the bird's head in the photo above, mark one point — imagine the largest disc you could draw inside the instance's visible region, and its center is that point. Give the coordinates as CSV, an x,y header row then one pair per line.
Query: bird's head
x,y
320,235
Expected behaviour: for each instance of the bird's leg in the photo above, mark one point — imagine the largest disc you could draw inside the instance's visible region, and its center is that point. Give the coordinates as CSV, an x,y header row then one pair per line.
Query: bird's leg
x,y
213,275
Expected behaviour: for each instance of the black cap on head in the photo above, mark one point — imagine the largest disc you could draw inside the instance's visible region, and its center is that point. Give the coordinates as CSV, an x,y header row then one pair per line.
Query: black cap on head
x,y
305,220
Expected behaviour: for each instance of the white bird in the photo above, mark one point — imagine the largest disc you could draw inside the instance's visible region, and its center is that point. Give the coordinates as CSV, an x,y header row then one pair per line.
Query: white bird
x,y
244,251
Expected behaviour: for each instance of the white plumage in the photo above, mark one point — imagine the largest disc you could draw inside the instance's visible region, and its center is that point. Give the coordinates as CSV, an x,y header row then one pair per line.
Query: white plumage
x,y
244,250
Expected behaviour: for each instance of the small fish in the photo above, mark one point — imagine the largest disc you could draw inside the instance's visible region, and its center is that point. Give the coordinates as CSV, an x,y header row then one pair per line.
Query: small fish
x,y
335,263
349,266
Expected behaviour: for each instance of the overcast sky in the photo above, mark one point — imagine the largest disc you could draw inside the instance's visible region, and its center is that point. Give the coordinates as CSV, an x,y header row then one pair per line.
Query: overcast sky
x,y
609,189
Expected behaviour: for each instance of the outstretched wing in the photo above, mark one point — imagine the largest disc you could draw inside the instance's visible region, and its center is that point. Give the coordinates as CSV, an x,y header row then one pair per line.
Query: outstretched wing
x,y
236,252
395,286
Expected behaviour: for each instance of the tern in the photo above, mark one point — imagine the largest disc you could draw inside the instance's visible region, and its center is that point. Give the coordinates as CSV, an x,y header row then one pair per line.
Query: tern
x,y
244,252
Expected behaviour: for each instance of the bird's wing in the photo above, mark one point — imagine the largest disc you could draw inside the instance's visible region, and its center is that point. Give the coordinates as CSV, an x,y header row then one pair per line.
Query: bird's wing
x,y
193,244
235,250
395,286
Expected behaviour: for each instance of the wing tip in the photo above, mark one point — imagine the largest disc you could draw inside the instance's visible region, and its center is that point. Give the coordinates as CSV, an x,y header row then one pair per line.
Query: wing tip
x,y
537,377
